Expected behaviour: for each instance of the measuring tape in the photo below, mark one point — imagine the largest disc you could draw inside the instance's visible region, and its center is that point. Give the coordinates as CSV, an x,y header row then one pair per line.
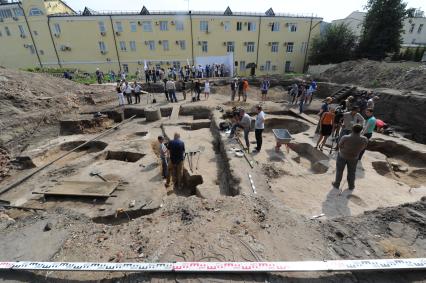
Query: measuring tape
x,y
280,266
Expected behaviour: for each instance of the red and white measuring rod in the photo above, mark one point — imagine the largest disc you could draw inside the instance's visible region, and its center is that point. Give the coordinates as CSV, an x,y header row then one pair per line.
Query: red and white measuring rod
x,y
280,266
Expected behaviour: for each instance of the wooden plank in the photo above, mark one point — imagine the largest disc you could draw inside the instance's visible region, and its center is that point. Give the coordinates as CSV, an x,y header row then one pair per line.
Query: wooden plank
x,y
175,112
304,116
82,188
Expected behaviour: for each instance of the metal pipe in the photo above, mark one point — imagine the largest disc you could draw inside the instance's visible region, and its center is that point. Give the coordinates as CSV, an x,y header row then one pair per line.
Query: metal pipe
x,y
115,43
258,41
31,35
53,42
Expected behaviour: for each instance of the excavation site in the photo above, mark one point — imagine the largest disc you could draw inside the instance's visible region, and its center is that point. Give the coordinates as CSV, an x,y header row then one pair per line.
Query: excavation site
x,y
82,180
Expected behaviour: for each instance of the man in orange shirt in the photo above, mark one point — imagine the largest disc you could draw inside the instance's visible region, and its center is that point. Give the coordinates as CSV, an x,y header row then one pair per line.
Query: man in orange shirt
x,y
245,89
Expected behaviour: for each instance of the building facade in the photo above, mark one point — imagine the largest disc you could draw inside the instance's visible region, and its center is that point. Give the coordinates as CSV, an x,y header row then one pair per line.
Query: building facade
x,y
41,33
414,28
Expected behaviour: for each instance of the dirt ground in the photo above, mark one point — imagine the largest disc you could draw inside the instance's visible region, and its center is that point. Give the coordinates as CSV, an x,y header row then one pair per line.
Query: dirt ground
x,y
217,216
408,76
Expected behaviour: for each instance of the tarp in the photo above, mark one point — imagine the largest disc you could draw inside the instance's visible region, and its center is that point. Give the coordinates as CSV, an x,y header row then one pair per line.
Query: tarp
x,y
227,60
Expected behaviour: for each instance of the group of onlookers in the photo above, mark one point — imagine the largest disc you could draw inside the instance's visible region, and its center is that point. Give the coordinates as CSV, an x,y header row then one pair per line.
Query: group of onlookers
x,y
302,93
125,89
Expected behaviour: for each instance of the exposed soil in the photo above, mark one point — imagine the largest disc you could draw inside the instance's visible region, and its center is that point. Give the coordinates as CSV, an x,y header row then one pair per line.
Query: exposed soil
x,y
407,76
218,215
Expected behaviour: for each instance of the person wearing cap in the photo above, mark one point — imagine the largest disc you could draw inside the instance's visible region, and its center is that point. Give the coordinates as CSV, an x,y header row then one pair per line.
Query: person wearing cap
x,y
350,147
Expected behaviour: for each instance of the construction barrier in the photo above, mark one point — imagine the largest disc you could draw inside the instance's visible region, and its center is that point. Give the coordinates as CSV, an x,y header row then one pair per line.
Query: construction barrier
x,y
240,267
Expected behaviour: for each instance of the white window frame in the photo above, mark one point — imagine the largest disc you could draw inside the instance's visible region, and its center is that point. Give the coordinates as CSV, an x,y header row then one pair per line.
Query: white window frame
x,y
268,65
57,27
239,26
101,26
17,12
21,30
5,13
250,47
227,26
147,26
151,45
230,46
132,45
166,46
182,44
411,30
179,25
251,26
290,47
164,25
292,27
303,47
32,49
275,47
133,26
7,30
242,65
102,46
123,46
275,27
420,28
204,46
204,26
35,12
118,26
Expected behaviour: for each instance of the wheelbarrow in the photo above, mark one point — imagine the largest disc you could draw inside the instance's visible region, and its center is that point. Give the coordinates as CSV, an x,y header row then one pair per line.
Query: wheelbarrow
x,y
282,137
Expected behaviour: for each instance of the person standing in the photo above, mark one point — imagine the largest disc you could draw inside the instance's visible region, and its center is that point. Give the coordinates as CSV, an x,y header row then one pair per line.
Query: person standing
x,y
350,147
120,95
264,88
137,90
177,156
371,101
294,93
240,89
234,86
245,90
166,93
98,76
171,89
313,88
183,84
302,93
259,126
207,89
326,125
164,156
128,92
198,88
350,119
370,125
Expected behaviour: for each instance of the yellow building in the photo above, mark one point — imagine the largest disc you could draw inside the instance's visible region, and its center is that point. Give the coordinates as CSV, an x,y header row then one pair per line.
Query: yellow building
x,y
48,33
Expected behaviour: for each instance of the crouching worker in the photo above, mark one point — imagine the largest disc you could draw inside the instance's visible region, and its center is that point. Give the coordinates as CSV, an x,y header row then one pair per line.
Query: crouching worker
x,y
243,121
164,155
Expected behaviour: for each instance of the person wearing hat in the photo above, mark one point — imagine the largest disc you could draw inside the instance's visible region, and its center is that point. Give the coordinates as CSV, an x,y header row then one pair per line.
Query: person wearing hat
x,y
350,147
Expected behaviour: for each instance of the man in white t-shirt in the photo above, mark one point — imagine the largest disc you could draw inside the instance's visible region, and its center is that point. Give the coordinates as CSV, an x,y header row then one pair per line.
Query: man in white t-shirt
x,y
259,126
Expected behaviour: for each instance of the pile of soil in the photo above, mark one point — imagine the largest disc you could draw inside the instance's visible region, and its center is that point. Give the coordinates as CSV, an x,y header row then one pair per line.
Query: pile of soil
x,y
29,101
408,76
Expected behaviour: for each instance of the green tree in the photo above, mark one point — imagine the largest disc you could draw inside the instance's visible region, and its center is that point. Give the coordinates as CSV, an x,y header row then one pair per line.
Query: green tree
x,y
408,54
382,28
336,45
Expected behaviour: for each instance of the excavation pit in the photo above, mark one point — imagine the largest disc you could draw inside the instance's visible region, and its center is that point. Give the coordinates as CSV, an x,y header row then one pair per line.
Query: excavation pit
x,y
93,146
294,126
125,156
84,126
310,158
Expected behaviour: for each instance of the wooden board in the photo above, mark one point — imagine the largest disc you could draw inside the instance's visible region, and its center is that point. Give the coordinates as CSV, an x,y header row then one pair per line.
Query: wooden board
x,y
304,116
82,189
175,112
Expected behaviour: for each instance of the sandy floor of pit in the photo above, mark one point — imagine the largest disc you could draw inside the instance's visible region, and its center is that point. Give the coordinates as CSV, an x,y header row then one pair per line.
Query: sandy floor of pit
x,y
274,222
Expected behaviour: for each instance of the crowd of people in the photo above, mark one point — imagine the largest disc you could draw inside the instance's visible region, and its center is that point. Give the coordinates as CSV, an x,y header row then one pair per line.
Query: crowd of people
x,y
302,93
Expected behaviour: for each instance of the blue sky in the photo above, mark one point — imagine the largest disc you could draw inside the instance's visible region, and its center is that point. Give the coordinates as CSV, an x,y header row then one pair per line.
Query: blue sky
x,y
328,9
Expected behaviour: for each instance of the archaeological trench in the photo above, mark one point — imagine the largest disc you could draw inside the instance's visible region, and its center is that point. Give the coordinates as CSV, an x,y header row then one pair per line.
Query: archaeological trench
x,y
105,201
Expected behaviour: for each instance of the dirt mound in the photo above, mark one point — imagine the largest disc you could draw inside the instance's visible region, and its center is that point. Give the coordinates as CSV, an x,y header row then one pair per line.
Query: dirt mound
x,y
29,100
386,232
372,74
